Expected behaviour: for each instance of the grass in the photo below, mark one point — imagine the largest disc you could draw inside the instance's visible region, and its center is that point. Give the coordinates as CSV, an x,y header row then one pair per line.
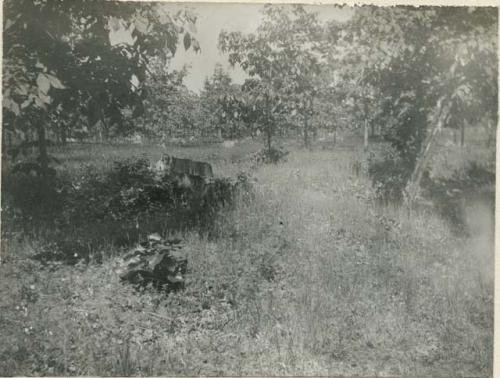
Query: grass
x,y
310,278
102,156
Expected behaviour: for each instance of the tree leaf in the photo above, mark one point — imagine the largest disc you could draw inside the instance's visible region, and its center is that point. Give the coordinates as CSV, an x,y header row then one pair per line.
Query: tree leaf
x,y
141,24
44,98
11,105
40,104
26,103
43,82
55,82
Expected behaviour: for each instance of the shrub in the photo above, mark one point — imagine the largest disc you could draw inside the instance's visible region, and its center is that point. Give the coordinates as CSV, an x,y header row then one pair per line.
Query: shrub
x,y
269,156
389,175
118,207
30,201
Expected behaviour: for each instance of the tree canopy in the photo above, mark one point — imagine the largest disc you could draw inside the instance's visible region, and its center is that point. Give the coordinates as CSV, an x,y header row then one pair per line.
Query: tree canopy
x,y
58,58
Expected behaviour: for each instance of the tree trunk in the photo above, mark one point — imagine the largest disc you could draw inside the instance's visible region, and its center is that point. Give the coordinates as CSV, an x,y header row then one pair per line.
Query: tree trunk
x,y
335,136
308,112
268,124
42,148
268,132
63,136
306,131
105,128
462,134
365,138
106,132
413,184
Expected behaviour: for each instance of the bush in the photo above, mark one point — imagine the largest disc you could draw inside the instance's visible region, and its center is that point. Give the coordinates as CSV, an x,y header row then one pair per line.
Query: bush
x,y
30,201
269,156
389,176
118,207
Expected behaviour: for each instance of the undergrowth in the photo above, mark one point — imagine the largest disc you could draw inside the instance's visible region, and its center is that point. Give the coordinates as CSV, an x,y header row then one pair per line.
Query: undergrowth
x,y
310,276
77,215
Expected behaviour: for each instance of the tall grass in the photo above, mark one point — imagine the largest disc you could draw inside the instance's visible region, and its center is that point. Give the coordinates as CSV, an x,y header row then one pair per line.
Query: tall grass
x,y
309,278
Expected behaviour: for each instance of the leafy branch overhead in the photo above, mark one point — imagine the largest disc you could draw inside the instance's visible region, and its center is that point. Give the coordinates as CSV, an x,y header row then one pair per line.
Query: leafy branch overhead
x,y
66,57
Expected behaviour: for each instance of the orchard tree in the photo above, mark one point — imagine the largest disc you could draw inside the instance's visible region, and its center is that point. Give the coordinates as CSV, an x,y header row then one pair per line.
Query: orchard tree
x,y
222,102
350,65
282,60
170,108
59,60
427,67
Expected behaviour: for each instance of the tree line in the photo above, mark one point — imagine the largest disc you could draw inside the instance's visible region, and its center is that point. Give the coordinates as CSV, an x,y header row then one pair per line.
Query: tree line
x,y
407,72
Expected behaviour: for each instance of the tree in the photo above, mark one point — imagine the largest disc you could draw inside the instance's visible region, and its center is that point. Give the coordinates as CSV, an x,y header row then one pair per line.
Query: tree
x,y
170,109
222,102
427,67
282,60
59,60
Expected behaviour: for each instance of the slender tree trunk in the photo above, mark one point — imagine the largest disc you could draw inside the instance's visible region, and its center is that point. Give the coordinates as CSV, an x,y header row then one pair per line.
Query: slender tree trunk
x,y
413,184
309,111
268,139
268,124
33,137
106,132
462,135
306,131
63,136
42,147
105,128
335,136
365,138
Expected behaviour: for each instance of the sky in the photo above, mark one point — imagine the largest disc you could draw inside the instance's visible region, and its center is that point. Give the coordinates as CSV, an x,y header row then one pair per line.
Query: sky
x,y
211,20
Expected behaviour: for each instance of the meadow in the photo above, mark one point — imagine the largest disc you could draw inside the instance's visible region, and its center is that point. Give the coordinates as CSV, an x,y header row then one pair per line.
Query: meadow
x,y
311,277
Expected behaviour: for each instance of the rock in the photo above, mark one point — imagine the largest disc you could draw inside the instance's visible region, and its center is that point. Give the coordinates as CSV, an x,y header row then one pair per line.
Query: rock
x,y
158,262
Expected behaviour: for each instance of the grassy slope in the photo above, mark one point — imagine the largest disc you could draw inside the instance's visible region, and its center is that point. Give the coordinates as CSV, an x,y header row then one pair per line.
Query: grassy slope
x,y
310,278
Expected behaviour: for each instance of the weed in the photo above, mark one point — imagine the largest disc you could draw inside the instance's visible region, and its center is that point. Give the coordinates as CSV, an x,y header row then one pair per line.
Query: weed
x,y
308,276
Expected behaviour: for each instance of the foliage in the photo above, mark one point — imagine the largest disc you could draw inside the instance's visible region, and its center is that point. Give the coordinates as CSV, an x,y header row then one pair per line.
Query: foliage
x,y
282,62
156,262
59,61
170,109
273,156
303,280
223,105
457,47
389,176
30,200
120,206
